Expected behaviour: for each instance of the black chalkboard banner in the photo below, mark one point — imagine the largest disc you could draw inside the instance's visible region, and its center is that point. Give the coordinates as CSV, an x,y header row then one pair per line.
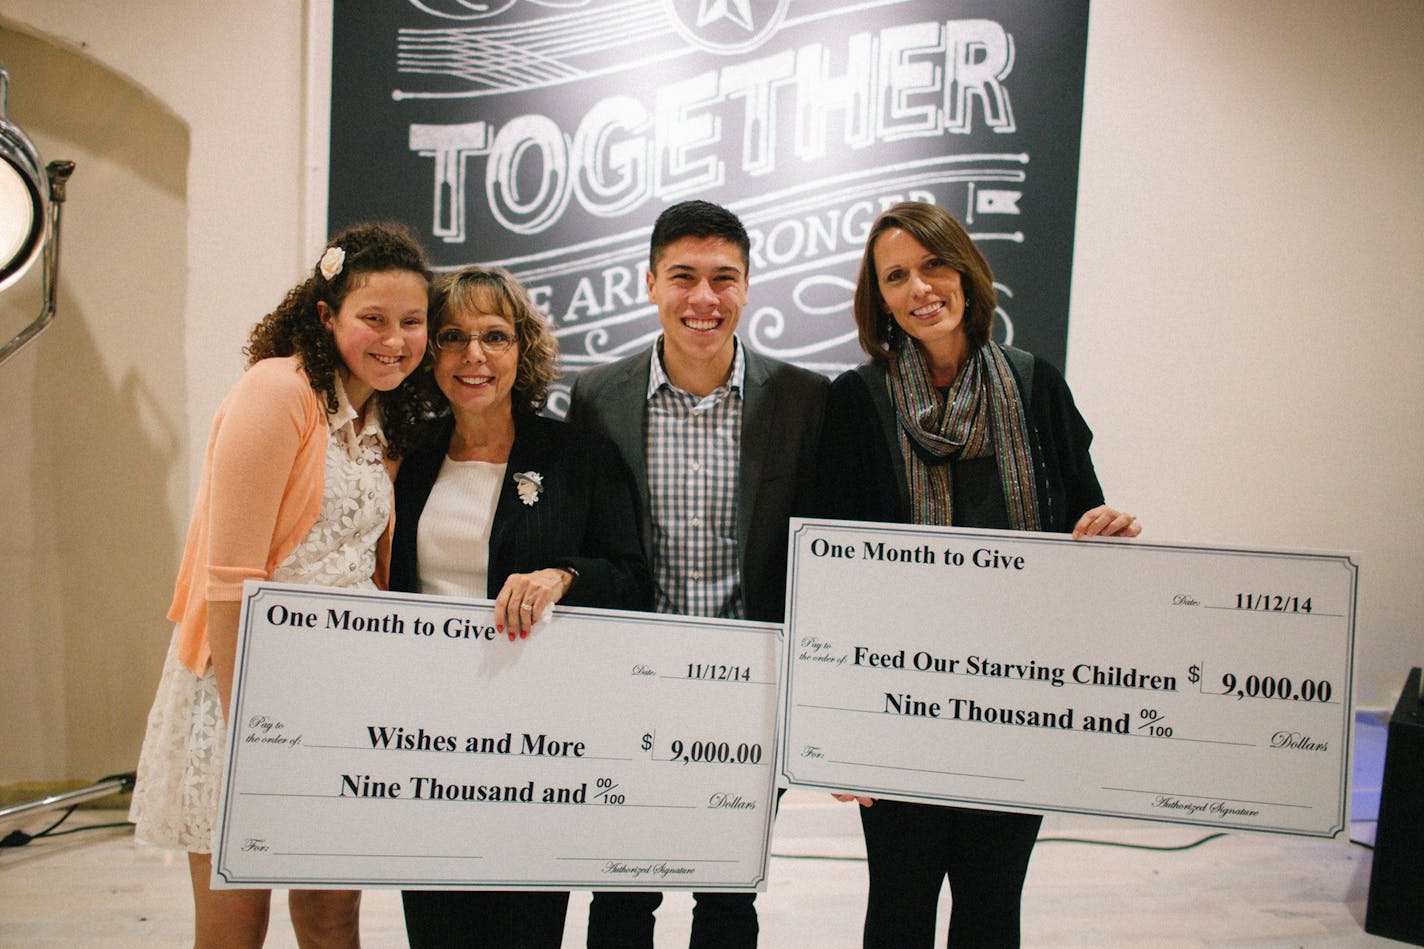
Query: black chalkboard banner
x,y
547,135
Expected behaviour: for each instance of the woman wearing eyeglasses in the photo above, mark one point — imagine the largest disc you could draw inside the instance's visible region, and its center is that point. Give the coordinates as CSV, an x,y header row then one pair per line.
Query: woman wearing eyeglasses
x,y
509,505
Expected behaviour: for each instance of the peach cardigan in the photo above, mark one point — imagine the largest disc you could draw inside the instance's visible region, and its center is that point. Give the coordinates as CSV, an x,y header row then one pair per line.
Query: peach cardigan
x,y
259,494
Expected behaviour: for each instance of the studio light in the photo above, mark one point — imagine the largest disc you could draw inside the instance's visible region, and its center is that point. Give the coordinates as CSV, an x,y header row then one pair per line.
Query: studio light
x,y
31,197
30,202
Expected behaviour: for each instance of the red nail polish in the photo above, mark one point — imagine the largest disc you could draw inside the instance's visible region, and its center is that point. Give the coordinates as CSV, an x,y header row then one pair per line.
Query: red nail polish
x,y
524,634
499,627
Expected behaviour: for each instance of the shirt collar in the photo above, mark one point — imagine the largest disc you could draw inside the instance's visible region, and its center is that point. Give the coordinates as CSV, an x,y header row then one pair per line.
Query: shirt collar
x,y
657,375
344,418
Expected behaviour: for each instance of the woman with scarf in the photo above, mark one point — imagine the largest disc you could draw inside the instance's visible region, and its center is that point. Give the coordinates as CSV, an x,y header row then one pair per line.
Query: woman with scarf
x,y
945,427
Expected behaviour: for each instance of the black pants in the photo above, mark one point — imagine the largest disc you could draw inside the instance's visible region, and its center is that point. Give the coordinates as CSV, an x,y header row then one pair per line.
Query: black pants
x,y
911,848
719,920
625,920
516,919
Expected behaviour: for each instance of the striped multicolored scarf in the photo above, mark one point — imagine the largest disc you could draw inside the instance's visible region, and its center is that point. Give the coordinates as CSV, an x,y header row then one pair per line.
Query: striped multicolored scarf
x,y
981,413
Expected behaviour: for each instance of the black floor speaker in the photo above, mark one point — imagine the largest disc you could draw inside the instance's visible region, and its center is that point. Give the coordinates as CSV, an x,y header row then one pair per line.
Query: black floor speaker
x,y
1396,904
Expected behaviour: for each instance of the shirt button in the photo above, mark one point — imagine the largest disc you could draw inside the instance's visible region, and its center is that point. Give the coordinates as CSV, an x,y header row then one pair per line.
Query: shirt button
x,y
697,574
696,466
697,522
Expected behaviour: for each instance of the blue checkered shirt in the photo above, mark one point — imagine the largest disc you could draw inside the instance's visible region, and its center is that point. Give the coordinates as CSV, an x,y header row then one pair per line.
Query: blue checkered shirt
x,y
693,450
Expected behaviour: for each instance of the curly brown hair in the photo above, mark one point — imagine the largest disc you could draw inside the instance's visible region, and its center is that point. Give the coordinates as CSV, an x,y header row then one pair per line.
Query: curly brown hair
x,y
494,290
943,236
295,328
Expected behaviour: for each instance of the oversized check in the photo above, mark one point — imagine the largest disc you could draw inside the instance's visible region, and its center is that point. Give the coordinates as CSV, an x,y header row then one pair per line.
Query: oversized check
x,y
394,740
1032,672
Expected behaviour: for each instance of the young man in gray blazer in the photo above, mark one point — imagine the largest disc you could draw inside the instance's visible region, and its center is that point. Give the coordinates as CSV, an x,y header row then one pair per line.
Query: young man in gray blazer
x,y
721,442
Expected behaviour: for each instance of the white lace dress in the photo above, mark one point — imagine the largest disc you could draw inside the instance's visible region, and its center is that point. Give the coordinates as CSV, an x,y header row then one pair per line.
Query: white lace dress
x,y
180,770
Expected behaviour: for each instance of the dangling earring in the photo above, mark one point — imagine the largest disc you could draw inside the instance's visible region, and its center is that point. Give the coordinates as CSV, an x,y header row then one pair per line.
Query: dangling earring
x,y
892,332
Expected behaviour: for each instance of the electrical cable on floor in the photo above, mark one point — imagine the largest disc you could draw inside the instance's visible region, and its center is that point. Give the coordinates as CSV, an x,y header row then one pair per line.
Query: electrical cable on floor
x,y
18,838
1126,846
1361,843
1043,840
1058,840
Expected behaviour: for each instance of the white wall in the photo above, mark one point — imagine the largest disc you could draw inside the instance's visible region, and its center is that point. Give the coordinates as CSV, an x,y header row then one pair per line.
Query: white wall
x,y
1248,302
1245,316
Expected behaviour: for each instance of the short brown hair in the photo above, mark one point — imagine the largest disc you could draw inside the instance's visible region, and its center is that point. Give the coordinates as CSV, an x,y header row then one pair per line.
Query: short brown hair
x,y
698,219
494,290
942,236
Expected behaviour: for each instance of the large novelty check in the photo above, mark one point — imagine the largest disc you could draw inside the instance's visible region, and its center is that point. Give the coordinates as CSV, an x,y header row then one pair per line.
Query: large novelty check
x,y
385,739
1033,672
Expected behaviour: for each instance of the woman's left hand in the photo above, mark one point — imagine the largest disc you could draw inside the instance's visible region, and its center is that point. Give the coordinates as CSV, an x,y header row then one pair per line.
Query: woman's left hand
x,y
1105,521
524,598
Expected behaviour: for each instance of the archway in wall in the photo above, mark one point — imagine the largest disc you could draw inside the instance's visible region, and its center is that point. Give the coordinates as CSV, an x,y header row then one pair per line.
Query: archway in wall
x,y
93,477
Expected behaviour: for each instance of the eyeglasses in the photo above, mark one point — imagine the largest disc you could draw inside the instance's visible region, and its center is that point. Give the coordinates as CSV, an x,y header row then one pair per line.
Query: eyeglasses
x,y
451,339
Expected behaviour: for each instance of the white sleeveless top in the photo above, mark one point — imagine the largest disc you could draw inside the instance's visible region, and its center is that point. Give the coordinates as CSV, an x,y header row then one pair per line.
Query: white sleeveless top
x,y
452,541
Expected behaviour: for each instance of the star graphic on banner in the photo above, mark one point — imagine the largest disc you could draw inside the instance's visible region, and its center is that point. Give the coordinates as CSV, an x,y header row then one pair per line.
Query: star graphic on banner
x,y
738,11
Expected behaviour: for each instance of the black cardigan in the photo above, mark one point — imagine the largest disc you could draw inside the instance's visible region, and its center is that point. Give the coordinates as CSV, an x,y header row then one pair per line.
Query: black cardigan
x,y
585,517
860,472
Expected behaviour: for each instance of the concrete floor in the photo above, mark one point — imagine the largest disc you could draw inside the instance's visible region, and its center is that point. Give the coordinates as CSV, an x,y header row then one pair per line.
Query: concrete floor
x,y
100,889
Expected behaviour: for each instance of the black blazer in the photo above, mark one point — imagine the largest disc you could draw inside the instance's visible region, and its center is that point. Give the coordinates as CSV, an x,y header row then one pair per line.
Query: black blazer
x,y
782,410
585,516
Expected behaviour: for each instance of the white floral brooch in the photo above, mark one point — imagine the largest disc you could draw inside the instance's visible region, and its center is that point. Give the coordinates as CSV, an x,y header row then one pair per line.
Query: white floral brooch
x,y
331,262
528,484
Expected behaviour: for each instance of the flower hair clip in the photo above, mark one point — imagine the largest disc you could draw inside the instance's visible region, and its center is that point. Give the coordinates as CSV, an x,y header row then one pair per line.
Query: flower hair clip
x,y
529,484
332,262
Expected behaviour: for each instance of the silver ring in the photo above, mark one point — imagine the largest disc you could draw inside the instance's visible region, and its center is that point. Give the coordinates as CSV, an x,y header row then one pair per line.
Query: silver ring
x,y
527,608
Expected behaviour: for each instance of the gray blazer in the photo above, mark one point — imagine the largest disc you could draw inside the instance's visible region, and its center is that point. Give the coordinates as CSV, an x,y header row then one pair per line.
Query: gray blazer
x,y
782,410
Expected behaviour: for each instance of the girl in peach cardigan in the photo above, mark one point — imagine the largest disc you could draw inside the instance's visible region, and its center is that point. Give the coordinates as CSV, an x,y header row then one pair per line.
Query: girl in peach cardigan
x,y
299,461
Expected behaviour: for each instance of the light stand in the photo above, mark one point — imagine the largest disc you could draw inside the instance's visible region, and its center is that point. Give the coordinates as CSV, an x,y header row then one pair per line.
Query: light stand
x,y
30,202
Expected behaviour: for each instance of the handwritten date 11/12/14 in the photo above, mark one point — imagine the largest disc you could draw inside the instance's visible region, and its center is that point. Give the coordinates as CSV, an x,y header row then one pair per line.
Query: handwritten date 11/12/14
x,y
1272,603
716,672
